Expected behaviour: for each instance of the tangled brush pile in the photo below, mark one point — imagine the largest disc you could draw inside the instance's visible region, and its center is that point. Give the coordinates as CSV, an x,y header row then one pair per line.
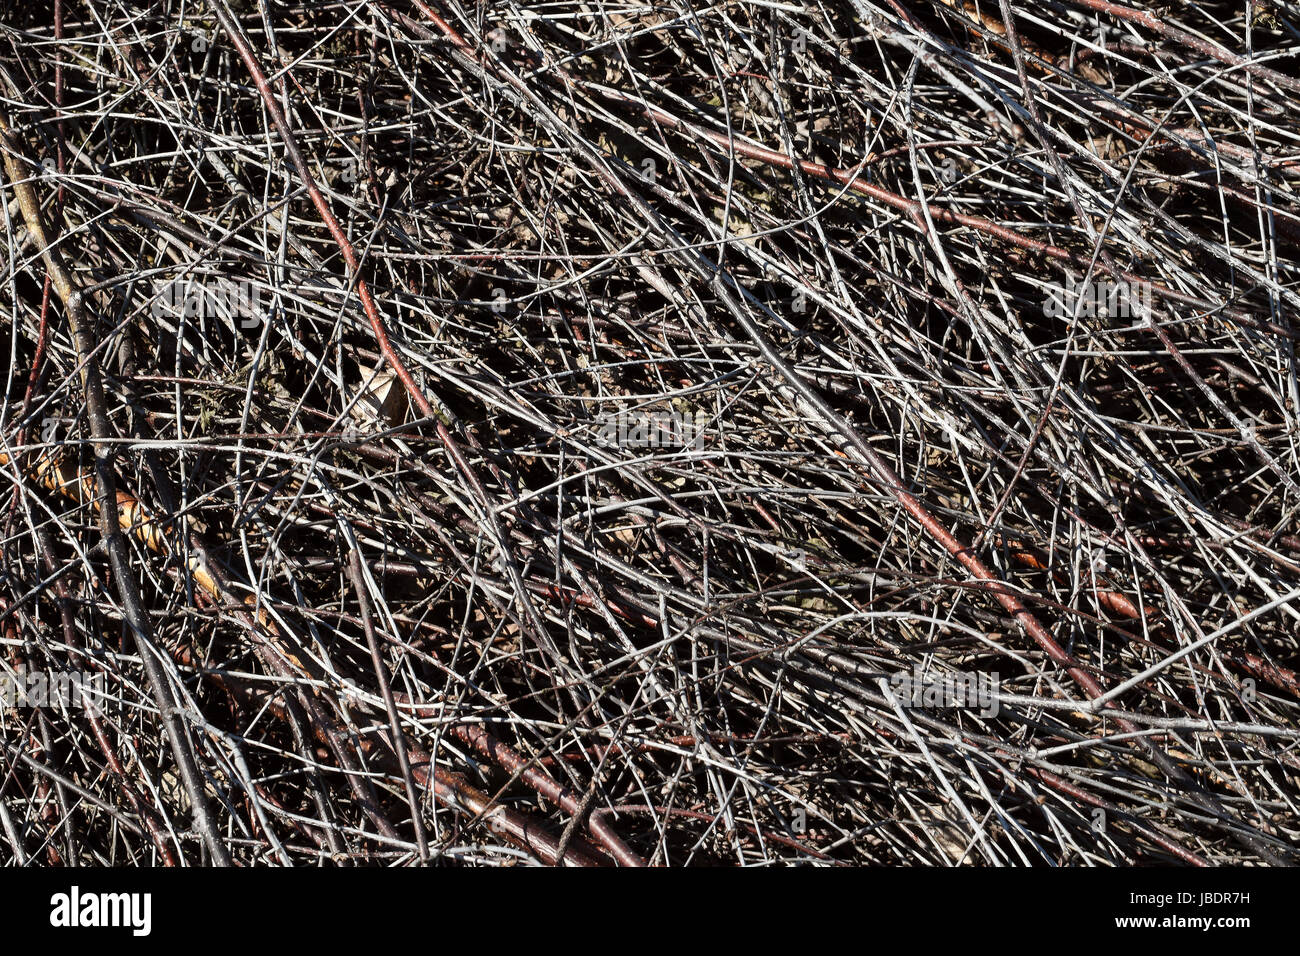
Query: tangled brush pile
x,y
614,433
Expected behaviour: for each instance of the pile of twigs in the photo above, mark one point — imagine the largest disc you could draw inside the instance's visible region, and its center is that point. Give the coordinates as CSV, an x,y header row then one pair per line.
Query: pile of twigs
x,y
617,434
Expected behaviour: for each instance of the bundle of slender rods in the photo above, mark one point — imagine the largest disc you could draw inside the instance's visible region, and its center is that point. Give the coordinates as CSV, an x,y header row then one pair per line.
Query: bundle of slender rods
x,y
614,433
